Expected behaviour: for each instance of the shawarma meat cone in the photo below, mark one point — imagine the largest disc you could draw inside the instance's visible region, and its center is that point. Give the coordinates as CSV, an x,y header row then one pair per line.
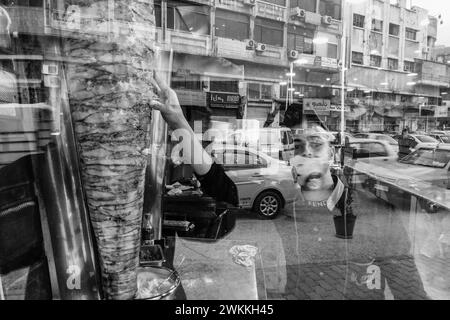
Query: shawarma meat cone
x,y
109,90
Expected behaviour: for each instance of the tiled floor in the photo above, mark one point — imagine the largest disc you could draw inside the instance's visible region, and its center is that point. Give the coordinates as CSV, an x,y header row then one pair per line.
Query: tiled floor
x,y
386,259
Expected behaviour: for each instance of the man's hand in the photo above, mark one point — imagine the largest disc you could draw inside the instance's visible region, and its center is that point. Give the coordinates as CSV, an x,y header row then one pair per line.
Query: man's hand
x,y
168,105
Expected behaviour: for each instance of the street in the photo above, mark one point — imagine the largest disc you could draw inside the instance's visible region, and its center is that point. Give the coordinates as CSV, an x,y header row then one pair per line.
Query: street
x,y
393,255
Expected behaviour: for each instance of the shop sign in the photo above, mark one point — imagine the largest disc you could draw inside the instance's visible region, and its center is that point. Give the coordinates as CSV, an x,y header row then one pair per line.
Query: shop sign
x,y
441,111
306,59
329,63
223,100
335,107
318,105
318,61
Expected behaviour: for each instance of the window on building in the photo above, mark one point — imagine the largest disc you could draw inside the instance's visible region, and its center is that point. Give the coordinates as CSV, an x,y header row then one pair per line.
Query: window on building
x,y
375,61
330,8
268,32
392,64
357,57
300,39
377,25
158,14
332,50
259,91
189,18
22,3
187,82
277,2
223,85
410,34
358,20
308,5
232,25
394,29
408,66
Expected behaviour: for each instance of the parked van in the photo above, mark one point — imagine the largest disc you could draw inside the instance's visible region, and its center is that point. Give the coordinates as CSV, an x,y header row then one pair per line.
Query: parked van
x,y
275,142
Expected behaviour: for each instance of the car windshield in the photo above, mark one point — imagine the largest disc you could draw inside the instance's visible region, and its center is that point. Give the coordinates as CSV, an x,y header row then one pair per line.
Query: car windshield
x,y
426,139
435,158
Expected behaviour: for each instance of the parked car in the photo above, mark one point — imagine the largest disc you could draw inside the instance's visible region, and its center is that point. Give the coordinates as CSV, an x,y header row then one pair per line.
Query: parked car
x,y
275,142
379,136
422,140
426,170
440,137
368,148
265,184
440,132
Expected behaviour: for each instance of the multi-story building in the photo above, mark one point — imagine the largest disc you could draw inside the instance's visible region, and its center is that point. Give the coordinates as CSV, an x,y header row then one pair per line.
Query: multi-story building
x,y
392,76
233,56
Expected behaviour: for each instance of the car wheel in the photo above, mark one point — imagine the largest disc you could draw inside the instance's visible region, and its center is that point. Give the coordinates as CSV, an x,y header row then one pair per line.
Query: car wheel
x,y
267,205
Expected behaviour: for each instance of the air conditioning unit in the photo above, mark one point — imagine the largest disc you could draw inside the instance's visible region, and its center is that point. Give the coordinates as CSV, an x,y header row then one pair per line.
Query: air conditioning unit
x,y
250,2
336,92
251,44
327,20
260,47
298,13
293,54
50,69
426,50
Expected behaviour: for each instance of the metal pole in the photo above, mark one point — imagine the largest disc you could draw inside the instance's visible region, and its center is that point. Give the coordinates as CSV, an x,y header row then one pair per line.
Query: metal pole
x,y
343,67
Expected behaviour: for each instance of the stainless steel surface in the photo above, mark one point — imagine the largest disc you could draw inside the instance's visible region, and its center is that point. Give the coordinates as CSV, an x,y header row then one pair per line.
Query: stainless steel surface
x,y
157,160
75,272
167,275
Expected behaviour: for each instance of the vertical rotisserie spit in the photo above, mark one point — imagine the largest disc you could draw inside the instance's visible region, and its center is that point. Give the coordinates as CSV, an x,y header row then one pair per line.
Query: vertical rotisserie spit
x,y
109,88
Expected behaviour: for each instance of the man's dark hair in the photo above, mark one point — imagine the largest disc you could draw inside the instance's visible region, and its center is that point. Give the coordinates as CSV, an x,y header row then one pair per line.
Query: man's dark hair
x,y
404,131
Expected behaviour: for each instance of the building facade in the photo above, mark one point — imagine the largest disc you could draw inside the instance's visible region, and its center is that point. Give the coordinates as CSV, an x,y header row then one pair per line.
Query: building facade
x,y
246,48
392,75
242,58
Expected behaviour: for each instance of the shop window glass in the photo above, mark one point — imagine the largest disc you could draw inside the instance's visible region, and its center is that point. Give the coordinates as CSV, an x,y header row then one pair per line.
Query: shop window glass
x,y
268,32
232,25
308,5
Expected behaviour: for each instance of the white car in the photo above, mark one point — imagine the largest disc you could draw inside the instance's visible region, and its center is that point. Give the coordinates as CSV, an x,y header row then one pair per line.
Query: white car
x,y
379,136
367,150
265,184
